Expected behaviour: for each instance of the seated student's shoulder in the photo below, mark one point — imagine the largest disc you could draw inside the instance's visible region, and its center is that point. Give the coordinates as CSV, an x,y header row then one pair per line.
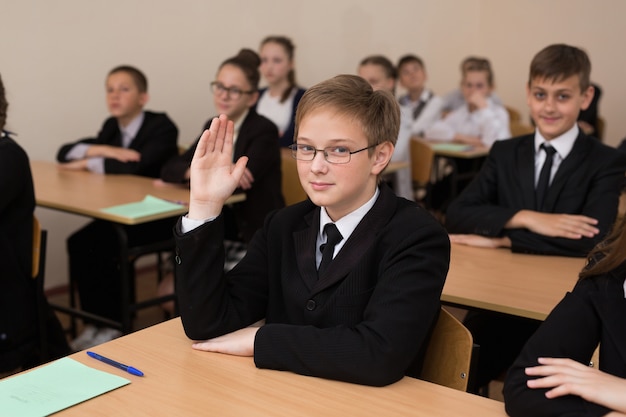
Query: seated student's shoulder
x,y
159,119
262,123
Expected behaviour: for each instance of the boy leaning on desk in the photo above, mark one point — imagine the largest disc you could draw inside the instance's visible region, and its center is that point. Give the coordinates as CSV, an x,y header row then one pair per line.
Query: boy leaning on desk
x,y
345,284
132,141
554,192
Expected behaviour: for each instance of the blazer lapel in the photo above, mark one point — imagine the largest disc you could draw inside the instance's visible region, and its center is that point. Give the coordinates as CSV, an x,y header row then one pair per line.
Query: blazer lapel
x,y
525,160
360,240
572,162
304,242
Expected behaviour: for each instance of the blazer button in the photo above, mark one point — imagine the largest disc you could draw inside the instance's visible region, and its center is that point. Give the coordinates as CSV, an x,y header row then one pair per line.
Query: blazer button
x,y
310,305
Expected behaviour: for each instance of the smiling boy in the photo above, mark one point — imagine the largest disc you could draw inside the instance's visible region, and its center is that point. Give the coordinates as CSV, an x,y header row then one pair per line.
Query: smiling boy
x,y
501,207
554,192
364,318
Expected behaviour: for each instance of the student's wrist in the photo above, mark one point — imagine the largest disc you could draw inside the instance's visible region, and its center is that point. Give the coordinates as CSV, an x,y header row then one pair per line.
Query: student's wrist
x,y
518,221
204,210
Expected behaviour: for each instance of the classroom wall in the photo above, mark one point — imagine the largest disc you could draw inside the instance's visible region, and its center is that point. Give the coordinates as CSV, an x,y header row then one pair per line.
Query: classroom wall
x,y
55,56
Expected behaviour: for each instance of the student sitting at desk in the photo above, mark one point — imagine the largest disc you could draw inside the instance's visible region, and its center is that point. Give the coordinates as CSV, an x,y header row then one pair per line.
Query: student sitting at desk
x,y
132,141
348,282
480,122
19,342
552,376
235,92
279,100
554,192
424,106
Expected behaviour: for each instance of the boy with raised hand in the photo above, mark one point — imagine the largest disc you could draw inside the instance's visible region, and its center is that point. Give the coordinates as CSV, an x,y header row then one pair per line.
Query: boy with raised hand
x,y
554,192
347,283
132,141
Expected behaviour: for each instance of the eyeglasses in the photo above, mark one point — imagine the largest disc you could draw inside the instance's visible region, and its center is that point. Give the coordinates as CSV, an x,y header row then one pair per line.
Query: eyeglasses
x,y
332,154
232,92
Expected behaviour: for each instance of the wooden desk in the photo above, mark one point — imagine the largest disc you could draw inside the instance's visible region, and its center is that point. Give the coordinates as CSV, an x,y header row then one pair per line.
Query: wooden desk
x,y
179,381
499,280
86,193
470,152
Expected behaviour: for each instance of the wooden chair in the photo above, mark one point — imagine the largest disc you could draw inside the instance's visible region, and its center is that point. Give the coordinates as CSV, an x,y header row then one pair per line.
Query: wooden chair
x,y
422,159
291,187
520,129
449,353
38,272
514,115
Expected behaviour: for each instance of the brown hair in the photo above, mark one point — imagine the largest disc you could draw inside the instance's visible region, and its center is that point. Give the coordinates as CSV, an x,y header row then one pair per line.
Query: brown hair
x,y
248,62
377,112
608,254
140,80
383,62
289,48
406,59
473,63
557,62
4,104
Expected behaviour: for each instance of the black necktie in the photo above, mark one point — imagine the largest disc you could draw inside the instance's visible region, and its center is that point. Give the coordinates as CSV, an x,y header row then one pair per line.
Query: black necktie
x,y
544,176
420,106
332,238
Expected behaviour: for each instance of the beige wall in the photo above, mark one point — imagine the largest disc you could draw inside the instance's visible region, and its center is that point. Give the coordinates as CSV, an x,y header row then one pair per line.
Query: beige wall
x,y
55,55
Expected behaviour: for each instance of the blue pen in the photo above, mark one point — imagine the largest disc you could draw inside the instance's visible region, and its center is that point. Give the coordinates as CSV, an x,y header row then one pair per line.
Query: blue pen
x,y
111,362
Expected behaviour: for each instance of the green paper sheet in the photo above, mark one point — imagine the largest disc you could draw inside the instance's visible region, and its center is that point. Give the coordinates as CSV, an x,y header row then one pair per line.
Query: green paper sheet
x,y
451,147
147,207
54,387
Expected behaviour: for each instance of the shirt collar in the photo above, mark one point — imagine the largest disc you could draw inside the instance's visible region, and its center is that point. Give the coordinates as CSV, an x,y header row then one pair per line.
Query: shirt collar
x,y
133,127
350,221
562,144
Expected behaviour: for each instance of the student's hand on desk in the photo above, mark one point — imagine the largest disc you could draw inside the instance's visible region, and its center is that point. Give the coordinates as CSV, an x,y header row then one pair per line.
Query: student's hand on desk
x,y
479,241
562,376
238,343
569,226
77,165
114,152
213,177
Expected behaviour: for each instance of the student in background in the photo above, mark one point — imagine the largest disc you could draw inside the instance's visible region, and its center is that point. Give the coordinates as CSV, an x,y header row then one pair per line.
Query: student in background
x,y
380,73
480,122
554,192
424,106
235,92
326,311
132,141
19,341
552,376
455,99
279,100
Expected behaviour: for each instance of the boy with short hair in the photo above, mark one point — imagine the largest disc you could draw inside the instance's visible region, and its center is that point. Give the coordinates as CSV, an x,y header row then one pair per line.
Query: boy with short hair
x,y
424,106
501,207
480,122
554,192
347,282
132,141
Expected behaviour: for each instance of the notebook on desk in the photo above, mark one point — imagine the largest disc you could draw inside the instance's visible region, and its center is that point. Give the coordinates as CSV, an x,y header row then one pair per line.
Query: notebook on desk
x,y
147,207
54,387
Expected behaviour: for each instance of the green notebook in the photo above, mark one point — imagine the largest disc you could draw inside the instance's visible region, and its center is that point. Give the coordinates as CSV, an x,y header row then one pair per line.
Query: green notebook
x,y
54,387
147,207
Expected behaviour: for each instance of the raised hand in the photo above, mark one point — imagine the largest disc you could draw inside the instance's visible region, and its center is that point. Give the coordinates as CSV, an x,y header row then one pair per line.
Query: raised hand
x,y
213,177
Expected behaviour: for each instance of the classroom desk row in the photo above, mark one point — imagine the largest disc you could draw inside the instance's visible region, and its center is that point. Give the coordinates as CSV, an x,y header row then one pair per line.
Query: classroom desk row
x,y
180,381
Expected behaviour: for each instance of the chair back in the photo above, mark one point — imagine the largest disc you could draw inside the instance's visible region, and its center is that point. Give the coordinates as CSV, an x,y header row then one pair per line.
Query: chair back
x,y
422,157
600,127
449,353
291,187
39,248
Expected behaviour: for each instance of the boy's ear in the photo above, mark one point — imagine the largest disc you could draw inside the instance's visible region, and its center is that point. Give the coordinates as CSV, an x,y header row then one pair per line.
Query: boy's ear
x,y
253,99
382,156
143,98
587,97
